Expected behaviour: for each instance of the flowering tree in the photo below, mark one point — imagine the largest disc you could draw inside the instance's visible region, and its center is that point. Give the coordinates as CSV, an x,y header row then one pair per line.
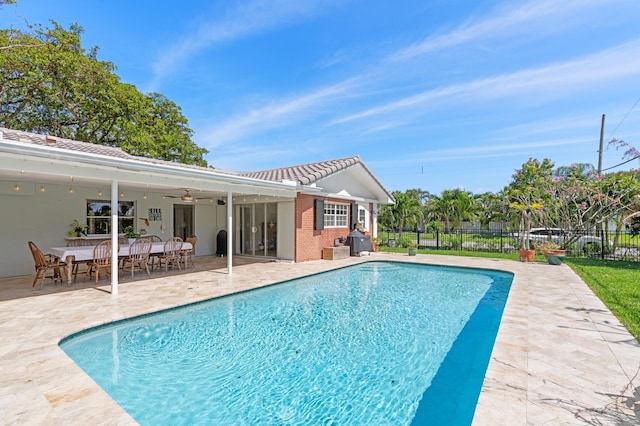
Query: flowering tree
x,y
527,195
581,201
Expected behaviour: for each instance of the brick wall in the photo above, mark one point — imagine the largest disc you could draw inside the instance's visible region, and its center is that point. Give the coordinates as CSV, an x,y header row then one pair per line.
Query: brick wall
x,y
309,243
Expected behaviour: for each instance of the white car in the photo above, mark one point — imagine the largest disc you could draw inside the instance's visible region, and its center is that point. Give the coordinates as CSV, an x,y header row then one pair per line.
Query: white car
x,y
559,236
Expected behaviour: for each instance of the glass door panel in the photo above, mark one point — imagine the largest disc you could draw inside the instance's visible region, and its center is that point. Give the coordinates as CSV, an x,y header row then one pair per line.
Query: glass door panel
x,y
271,217
248,236
258,230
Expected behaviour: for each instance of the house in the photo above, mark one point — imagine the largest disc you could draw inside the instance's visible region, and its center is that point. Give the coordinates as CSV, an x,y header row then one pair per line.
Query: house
x,y
288,213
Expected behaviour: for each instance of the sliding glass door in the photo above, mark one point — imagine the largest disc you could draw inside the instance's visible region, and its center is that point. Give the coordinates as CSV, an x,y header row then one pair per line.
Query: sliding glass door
x,y
259,230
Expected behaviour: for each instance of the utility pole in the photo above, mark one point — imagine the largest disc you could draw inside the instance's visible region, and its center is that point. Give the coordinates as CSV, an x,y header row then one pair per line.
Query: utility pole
x,y
599,225
600,150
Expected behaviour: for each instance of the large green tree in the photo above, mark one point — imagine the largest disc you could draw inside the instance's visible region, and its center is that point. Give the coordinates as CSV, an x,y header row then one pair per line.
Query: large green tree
x,y
50,84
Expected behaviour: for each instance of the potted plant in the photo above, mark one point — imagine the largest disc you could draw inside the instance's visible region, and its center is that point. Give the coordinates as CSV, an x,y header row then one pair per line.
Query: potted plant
x,y
130,234
525,196
412,249
77,228
526,212
551,251
375,244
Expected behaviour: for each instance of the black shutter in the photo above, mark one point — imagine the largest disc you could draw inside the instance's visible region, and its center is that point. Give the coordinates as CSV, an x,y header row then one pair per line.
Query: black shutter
x,y
354,216
318,215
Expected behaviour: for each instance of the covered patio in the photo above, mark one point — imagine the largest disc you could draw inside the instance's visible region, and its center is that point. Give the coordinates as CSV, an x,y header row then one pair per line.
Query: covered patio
x,y
47,182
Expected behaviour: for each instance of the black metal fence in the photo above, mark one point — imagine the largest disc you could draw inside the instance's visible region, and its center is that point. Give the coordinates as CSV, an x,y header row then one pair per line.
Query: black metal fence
x,y
602,245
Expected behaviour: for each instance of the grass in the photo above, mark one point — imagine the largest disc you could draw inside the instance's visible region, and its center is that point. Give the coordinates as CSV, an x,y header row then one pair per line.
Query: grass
x,y
616,283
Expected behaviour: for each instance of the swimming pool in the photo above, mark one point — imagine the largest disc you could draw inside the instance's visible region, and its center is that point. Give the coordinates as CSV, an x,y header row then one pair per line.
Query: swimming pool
x,y
375,343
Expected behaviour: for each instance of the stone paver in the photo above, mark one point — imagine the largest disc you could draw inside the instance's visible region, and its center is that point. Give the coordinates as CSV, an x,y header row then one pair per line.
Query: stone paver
x,y
560,358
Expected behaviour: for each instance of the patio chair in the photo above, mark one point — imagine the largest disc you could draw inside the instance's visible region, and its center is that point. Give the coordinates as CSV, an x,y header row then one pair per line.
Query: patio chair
x,y
138,256
186,255
153,256
101,260
171,253
43,263
79,242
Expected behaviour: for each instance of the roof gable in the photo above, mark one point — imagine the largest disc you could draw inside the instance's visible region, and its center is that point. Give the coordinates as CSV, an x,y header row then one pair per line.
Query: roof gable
x,y
310,173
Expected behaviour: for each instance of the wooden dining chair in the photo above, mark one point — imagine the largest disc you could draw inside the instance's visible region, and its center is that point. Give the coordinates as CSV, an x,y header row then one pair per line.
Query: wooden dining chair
x,y
101,260
186,255
79,242
153,256
43,263
171,253
138,256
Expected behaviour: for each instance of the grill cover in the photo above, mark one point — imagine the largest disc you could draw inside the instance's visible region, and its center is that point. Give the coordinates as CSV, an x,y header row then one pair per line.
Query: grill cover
x,y
221,243
358,242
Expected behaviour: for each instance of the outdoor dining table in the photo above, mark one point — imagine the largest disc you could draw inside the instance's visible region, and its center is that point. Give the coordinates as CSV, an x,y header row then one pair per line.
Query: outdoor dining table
x,y
71,254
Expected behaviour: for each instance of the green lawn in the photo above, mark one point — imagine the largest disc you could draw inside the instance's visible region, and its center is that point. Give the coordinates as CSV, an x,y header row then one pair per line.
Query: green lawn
x,y
616,283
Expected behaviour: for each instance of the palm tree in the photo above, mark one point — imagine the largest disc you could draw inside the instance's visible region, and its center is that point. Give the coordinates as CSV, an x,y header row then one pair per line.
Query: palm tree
x,y
406,211
455,206
585,169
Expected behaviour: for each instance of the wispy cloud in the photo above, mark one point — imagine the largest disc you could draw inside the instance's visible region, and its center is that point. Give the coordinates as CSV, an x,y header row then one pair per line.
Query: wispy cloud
x,y
546,15
243,20
273,114
543,82
477,152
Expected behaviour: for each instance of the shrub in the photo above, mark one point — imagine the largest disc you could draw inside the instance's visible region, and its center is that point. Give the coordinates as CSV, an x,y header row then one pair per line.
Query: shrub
x,y
405,241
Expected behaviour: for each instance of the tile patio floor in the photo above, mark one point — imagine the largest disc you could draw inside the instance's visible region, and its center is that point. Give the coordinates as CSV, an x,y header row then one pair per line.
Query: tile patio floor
x,y
560,358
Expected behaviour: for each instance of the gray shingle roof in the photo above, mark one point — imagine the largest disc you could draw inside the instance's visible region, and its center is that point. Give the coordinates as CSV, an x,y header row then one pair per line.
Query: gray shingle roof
x,y
305,173
91,148
309,173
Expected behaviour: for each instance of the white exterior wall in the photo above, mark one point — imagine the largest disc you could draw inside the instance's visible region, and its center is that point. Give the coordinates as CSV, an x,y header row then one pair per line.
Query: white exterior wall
x,y
206,226
286,230
44,218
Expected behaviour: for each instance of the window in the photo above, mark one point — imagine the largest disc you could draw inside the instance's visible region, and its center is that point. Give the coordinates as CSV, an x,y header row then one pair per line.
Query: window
x,y
336,215
363,218
99,216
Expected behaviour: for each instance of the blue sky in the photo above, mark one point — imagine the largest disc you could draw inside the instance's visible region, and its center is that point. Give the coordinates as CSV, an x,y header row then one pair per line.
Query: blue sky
x,y
432,94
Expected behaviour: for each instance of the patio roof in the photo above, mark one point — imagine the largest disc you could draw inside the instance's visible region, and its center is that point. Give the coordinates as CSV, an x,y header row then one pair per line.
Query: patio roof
x,y
33,157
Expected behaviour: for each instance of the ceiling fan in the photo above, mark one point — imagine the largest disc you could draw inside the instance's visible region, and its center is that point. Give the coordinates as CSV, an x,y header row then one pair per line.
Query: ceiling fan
x,y
187,197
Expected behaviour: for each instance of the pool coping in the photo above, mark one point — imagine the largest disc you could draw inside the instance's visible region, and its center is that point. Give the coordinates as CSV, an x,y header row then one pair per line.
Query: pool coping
x,y
560,356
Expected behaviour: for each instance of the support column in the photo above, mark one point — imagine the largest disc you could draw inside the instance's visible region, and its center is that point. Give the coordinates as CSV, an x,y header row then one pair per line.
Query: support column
x,y
114,238
229,233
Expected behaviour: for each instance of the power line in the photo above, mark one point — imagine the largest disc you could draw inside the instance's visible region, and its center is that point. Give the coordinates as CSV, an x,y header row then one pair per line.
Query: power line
x,y
625,117
618,165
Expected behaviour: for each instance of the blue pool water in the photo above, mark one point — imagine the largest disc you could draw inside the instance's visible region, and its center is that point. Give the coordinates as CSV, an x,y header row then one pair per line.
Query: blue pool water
x,y
378,343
